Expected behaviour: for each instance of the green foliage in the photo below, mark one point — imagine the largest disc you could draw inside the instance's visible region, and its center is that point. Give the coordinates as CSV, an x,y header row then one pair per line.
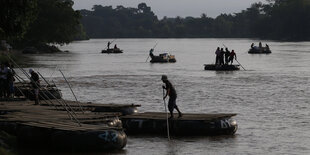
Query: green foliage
x,y
15,17
279,19
56,23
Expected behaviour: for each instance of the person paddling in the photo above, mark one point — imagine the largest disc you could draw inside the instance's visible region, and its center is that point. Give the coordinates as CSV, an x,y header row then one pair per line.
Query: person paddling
x,y
170,90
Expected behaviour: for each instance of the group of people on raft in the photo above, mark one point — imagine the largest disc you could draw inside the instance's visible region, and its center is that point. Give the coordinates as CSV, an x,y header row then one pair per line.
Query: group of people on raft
x,y
260,46
108,46
224,57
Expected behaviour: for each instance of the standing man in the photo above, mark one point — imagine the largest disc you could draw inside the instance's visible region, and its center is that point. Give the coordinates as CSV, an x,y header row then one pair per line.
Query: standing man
x,y
172,96
35,83
232,56
109,43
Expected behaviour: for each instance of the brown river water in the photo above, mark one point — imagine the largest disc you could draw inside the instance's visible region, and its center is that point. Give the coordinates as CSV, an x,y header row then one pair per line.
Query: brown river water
x,y
271,96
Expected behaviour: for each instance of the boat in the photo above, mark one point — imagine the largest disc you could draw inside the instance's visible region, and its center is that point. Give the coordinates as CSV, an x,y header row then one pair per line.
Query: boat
x,y
162,58
221,67
112,51
188,125
262,50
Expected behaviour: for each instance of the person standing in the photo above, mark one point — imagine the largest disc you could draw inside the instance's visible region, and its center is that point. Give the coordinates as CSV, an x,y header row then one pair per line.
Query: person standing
x,y
232,56
35,83
171,92
4,90
217,58
109,43
227,54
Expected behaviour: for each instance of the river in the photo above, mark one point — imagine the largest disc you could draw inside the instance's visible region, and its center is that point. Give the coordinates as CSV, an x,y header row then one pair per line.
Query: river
x,y
270,96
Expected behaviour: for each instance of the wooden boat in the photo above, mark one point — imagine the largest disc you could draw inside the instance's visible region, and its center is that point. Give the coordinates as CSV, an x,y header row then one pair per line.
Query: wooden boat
x,y
187,125
221,67
162,58
112,51
257,50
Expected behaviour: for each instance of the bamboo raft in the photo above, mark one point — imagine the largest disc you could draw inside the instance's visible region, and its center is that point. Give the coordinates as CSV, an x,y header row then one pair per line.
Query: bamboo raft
x,y
187,125
50,127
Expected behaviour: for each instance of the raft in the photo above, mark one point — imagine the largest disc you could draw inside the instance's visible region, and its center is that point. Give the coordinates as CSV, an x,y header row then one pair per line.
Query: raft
x,y
262,50
112,51
50,128
221,67
187,125
163,58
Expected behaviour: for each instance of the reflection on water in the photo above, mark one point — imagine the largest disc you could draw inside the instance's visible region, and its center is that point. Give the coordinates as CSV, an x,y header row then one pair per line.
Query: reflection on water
x,y
270,97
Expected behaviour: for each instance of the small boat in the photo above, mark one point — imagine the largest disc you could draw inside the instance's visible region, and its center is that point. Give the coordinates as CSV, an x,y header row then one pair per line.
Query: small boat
x,y
112,50
162,58
221,67
257,50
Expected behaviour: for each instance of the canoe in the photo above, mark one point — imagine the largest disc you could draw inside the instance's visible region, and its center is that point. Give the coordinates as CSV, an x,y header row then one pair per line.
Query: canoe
x,y
112,51
221,67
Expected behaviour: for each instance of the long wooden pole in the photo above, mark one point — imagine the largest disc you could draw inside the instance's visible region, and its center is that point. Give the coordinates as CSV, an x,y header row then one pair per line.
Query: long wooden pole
x,y
168,133
72,91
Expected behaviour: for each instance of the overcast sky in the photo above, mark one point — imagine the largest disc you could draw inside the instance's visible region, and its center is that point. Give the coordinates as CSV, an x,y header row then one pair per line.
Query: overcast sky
x,y
173,8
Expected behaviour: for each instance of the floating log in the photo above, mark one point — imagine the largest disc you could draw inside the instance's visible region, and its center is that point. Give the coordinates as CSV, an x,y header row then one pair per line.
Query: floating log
x,y
187,125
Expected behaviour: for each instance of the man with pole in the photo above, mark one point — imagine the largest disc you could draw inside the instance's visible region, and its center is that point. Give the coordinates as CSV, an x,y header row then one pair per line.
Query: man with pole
x,y
35,83
170,90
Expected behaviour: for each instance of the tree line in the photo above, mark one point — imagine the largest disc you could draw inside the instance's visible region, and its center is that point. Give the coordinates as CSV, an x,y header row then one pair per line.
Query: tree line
x,y
39,23
276,19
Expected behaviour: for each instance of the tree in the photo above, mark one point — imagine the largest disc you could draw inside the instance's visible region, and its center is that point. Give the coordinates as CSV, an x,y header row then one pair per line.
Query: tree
x,y
56,23
15,18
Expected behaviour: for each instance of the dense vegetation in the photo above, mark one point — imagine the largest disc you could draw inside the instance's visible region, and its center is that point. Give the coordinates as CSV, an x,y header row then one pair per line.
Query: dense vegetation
x,y
39,22
277,19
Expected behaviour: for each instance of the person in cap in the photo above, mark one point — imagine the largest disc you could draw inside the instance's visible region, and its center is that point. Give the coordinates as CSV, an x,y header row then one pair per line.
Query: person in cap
x,y
35,83
171,92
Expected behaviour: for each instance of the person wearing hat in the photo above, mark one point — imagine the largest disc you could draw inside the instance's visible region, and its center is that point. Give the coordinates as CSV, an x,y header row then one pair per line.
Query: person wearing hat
x,y
170,90
35,85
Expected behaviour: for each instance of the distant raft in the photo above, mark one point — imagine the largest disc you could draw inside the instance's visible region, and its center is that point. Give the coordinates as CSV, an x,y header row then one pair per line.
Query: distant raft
x,y
221,67
257,50
163,58
112,51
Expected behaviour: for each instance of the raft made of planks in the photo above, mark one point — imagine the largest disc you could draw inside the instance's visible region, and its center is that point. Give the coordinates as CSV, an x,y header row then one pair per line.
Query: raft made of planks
x,y
48,127
187,125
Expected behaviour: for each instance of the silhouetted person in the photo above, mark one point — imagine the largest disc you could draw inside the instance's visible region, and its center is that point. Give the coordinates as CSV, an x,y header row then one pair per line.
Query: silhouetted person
x,y
151,53
115,46
227,54
109,43
170,91
260,45
252,45
35,83
232,56
217,58
222,56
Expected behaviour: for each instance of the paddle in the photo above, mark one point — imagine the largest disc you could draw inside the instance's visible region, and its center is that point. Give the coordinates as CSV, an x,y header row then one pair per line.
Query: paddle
x,y
166,114
240,64
153,49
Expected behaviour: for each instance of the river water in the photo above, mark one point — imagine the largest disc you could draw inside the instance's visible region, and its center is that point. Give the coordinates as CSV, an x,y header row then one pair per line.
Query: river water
x,y
270,96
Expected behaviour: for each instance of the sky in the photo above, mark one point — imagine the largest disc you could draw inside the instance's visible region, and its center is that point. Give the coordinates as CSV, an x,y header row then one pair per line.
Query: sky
x,y
173,8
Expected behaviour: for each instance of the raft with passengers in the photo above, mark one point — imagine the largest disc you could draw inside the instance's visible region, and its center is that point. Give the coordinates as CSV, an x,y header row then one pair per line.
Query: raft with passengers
x,y
161,58
259,49
114,50
223,58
